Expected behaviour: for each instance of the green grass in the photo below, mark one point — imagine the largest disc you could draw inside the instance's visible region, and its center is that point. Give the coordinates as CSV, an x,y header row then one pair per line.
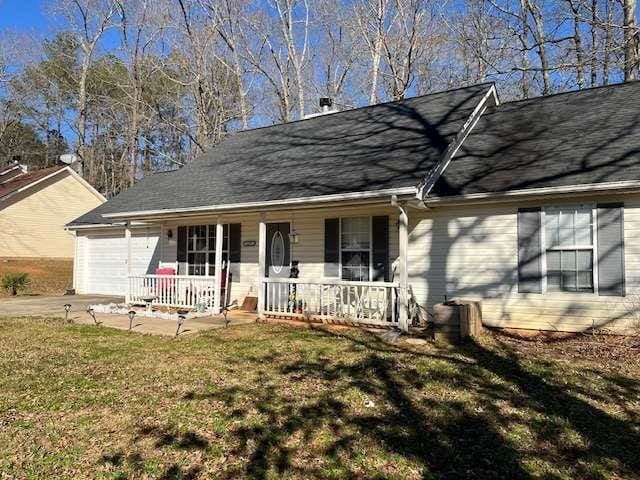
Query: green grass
x,y
268,401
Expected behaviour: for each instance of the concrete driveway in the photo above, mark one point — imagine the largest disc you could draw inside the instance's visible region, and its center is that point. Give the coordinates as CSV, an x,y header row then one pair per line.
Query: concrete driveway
x,y
51,306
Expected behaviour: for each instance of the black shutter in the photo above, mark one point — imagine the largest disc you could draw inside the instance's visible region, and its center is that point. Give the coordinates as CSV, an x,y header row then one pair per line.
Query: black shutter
x,y
235,249
380,247
332,247
529,251
182,250
610,223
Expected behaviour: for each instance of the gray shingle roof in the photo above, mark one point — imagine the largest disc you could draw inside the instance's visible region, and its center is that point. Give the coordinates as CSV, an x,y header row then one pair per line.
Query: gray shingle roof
x,y
584,137
390,145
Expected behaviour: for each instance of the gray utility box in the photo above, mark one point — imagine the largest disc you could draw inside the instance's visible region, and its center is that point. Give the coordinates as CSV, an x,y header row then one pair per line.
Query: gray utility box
x,y
457,320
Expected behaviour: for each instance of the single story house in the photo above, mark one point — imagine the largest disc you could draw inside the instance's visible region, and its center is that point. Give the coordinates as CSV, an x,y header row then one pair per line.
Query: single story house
x,y
531,207
36,205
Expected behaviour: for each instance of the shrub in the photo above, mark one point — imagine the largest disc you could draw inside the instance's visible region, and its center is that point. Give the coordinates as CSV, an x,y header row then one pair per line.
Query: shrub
x,y
14,282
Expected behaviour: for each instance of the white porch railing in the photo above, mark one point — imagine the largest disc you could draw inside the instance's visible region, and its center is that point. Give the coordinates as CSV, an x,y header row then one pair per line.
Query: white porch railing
x,y
172,290
361,302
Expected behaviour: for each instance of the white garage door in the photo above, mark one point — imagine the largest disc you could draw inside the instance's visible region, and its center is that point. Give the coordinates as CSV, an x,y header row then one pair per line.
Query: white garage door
x,y
107,260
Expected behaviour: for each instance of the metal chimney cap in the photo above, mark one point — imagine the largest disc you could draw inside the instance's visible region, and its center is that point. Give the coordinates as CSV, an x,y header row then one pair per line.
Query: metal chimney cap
x,y
326,101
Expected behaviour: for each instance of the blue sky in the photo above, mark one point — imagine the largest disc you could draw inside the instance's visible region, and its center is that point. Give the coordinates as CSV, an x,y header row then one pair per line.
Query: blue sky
x,y
23,15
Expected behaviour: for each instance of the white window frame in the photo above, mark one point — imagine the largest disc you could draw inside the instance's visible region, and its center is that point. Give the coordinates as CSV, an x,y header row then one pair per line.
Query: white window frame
x,y
594,247
209,269
340,249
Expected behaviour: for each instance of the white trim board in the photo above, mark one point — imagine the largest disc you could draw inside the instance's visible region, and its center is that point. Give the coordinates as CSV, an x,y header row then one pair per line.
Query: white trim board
x,y
436,172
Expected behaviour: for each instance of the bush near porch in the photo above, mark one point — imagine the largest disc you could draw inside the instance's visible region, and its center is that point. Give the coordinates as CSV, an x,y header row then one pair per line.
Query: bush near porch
x,y
48,276
272,401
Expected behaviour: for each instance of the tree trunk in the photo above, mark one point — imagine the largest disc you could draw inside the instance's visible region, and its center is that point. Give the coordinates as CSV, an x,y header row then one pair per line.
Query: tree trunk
x,y
541,42
594,43
577,41
629,8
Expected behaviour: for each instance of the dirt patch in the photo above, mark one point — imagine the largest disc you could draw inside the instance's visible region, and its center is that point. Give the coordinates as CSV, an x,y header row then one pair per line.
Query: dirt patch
x,y
48,276
588,346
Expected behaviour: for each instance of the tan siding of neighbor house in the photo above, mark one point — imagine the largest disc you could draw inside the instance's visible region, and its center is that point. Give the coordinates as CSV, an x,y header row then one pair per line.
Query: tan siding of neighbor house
x,y
471,252
32,222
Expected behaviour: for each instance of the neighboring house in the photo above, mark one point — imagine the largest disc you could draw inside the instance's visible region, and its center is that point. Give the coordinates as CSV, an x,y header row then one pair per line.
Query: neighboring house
x,y
36,205
532,207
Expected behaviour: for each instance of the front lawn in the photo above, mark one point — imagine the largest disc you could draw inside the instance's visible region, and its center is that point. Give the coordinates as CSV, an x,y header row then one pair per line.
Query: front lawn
x,y
268,401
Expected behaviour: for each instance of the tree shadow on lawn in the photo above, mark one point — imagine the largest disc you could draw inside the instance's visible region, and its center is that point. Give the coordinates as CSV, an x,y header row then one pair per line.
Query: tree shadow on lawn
x,y
477,411
502,420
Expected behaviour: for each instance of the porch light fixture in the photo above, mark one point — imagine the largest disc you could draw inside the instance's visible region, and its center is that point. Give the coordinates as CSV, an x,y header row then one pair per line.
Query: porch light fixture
x,y
169,234
131,315
293,236
67,309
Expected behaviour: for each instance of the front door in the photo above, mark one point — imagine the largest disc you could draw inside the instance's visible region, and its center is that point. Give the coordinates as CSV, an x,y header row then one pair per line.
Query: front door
x,y
278,254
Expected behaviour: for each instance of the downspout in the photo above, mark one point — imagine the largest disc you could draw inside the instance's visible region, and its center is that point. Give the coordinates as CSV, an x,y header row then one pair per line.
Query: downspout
x,y
403,244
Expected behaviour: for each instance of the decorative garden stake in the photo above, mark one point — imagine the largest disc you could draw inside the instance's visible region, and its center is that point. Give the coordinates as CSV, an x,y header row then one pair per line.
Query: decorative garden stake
x,y
131,314
92,314
181,319
67,309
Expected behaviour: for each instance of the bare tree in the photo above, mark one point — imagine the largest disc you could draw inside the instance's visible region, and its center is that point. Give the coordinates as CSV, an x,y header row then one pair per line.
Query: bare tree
x,y
371,16
88,20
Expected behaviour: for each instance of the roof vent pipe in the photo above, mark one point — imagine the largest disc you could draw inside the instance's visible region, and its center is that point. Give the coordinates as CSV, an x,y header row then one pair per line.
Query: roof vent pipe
x,y
325,104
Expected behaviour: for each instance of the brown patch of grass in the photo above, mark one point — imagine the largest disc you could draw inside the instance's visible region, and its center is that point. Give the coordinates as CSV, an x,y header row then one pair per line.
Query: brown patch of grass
x,y
48,276
271,402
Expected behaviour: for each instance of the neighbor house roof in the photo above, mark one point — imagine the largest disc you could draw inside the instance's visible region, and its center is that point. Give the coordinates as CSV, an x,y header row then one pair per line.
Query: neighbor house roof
x,y
19,182
384,146
584,137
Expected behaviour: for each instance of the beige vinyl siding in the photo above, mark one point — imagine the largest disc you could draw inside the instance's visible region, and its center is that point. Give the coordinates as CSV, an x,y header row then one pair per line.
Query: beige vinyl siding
x,y
471,252
32,222
309,251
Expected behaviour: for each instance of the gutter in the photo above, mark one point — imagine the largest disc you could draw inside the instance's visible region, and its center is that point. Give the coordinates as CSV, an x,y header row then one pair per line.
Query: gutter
x,y
300,202
627,186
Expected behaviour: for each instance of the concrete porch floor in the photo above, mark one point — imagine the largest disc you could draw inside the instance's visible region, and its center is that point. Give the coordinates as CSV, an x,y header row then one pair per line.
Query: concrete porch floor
x,y
160,326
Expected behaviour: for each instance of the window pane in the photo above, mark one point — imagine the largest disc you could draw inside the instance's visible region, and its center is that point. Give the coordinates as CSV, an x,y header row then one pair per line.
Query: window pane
x,y
355,266
212,237
585,260
355,233
583,227
566,227
569,270
551,228
585,281
553,260
568,260
553,271
196,263
569,280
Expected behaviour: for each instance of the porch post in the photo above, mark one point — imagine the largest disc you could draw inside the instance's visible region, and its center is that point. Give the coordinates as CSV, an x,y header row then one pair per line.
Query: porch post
x,y
403,231
217,291
127,236
262,243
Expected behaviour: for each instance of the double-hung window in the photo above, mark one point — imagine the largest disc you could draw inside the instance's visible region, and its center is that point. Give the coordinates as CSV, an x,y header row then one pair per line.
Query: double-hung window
x,y
201,249
355,248
569,242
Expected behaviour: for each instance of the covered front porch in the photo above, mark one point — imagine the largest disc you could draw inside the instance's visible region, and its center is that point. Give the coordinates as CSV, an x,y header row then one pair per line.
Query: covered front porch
x,y
345,264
